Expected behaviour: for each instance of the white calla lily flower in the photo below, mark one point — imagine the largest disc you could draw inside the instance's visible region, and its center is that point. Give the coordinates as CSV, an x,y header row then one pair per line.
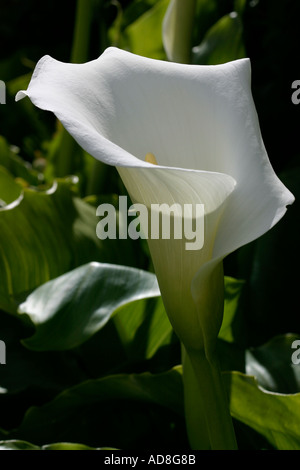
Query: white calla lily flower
x,y
201,124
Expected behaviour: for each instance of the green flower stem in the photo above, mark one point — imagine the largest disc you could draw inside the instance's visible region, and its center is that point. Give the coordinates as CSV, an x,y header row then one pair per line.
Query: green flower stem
x,y
194,407
81,39
206,404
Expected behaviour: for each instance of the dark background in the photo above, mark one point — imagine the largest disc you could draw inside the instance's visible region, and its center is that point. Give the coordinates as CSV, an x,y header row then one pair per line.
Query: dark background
x,y
30,29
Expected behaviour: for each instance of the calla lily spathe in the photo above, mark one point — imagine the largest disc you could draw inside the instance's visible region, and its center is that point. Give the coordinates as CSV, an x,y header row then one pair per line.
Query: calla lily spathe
x,y
201,124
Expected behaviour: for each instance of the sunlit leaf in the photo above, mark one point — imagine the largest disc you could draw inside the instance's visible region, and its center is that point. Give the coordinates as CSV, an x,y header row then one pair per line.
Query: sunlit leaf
x,y
47,233
15,444
144,35
275,416
272,364
68,310
9,189
143,327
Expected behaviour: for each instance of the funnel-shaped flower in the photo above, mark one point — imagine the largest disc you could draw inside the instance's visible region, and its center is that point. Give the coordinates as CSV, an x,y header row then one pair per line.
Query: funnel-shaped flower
x,y
201,124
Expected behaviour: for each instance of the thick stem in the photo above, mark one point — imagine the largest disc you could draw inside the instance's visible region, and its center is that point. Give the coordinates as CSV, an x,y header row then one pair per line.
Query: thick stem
x,y
81,39
213,402
194,407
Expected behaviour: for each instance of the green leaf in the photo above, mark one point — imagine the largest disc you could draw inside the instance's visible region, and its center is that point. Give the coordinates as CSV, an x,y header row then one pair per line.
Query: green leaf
x,y
72,446
144,35
131,13
275,416
222,43
17,167
272,365
25,369
232,293
9,189
143,327
15,444
46,233
118,410
239,6
207,13
68,310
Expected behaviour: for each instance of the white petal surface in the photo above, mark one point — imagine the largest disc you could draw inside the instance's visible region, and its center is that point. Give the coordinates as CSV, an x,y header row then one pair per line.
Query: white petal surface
x,y
121,106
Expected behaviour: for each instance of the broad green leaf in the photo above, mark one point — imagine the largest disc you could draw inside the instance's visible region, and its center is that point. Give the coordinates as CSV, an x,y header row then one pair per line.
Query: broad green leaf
x,y
72,446
143,327
49,372
272,364
115,410
68,310
15,444
126,16
239,6
46,233
207,13
10,191
222,43
275,416
144,36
